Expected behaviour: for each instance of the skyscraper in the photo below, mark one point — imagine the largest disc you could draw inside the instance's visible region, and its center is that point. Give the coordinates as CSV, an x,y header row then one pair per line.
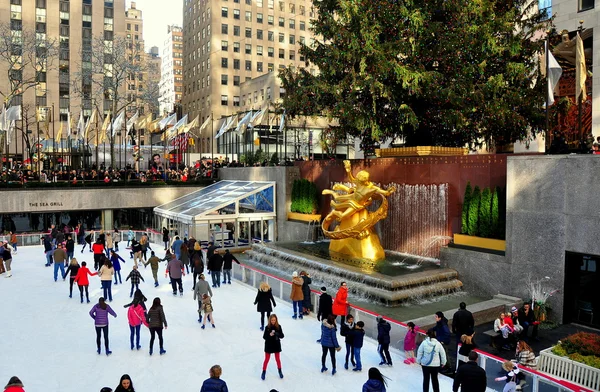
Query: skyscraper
x,y
171,74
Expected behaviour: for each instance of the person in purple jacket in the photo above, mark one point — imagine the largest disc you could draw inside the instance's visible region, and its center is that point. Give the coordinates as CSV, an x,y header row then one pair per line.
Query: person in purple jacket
x,y
100,313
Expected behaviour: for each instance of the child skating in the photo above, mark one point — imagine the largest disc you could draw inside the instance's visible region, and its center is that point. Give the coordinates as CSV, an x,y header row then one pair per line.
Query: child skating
x,y
135,277
410,344
208,311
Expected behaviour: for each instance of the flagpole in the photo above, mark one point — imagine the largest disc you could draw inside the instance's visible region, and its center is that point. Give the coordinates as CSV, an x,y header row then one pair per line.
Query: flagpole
x,y
212,141
38,140
580,97
547,90
53,133
23,133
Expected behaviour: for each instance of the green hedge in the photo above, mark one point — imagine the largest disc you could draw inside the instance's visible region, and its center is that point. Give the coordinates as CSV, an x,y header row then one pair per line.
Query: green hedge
x,y
483,212
582,347
305,197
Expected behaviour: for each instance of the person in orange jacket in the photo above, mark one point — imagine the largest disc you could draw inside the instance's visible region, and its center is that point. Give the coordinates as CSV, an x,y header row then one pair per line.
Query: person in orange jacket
x,y
340,304
82,280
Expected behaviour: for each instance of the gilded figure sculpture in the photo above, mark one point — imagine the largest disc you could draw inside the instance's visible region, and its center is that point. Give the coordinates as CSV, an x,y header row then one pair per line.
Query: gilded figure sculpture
x,y
353,236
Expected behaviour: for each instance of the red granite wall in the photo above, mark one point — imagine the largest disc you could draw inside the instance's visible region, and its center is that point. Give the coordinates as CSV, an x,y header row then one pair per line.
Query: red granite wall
x,y
482,170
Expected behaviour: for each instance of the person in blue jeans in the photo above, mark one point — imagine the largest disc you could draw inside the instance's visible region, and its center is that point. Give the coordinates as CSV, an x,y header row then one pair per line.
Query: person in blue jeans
x,y
106,274
176,246
48,249
358,334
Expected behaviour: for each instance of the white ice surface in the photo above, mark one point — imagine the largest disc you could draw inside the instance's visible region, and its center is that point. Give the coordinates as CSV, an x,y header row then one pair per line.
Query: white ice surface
x,y
48,339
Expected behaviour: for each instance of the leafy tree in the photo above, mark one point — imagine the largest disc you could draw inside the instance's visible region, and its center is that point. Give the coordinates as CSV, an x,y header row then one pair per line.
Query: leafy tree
x,y
485,212
474,212
440,72
465,208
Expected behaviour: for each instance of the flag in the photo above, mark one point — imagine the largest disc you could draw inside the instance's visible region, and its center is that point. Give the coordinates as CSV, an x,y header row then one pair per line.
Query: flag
x,y
257,118
105,125
554,73
89,124
12,115
243,122
58,136
118,122
580,70
80,127
224,125
171,133
3,125
182,141
132,120
205,124
144,122
282,121
170,120
192,125
154,125
69,125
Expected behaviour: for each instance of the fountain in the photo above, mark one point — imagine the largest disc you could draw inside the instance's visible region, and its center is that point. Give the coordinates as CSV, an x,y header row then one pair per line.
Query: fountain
x,y
353,253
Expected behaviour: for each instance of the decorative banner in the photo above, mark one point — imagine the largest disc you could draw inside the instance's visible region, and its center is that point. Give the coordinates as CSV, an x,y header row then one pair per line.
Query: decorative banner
x,y
58,136
105,125
580,70
171,120
80,127
131,122
89,124
118,122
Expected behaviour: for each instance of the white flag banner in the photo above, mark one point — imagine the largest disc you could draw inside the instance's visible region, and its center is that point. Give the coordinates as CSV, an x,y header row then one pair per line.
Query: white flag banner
x,y
257,118
132,121
554,73
224,126
243,122
165,122
3,124
205,124
13,114
282,121
118,123
80,127
580,70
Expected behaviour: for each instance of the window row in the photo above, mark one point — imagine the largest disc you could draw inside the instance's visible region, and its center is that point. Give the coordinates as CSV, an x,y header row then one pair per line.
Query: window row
x,y
291,7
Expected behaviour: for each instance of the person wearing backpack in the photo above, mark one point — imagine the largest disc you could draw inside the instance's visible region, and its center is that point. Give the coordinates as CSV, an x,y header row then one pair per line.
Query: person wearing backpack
x,y
431,356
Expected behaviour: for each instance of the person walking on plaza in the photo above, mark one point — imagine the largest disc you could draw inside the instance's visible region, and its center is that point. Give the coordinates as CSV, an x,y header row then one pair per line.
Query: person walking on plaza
x,y
176,271
6,259
153,261
135,277
98,249
431,356
156,320
73,270
214,383
263,300
60,256
14,385
329,342
82,280
215,264
136,315
296,295
470,377
106,274
202,287
100,313
228,260
208,311
383,340
463,322
70,248
346,331
340,304
165,237
272,335
376,382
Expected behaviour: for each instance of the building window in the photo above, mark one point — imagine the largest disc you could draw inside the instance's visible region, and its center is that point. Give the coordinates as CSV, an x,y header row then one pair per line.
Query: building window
x,y
249,2
224,80
224,29
292,23
271,36
292,8
259,18
259,3
224,46
281,6
270,52
248,65
224,100
236,47
292,55
248,16
224,62
281,22
302,25
270,67
248,49
236,100
292,39
270,3
585,5
236,64
236,31
302,10
281,53
259,34
236,14
259,50
248,32
224,12
128,26
270,20
281,37
259,66
236,80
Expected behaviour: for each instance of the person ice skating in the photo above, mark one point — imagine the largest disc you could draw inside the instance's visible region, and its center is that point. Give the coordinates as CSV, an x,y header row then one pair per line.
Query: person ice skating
x,y
106,274
70,248
431,356
136,315
138,298
116,238
48,250
325,304
145,244
176,246
13,241
82,280
264,299
135,277
202,287
98,249
208,311
115,259
358,336
470,377
510,374
165,237
156,320
442,333
185,257
130,237
215,264
346,331
228,260
383,340
340,304
296,295
136,252
197,263
125,384
210,250
329,342
376,382
106,389
110,244
100,313
72,271
410,343
59,261
14,385
307,301
88,241
175,271
6,259
214,383
153,261
272,335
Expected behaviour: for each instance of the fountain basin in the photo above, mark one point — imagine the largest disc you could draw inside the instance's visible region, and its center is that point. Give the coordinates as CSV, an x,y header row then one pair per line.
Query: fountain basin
x,y
398,282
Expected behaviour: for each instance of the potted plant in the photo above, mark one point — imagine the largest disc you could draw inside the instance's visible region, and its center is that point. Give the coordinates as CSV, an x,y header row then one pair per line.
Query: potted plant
x,y
305,202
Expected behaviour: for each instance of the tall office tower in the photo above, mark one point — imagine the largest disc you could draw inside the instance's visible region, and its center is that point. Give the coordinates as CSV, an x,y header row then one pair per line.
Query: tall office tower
x,y
226,43
74,25
171,74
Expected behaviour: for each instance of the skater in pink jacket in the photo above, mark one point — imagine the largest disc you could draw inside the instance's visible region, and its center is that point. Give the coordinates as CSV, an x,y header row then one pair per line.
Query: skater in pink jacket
x,y
136,315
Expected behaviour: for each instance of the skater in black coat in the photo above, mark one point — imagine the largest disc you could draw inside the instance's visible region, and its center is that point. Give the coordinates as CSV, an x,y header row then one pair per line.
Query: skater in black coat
x,y
263,301
325,305
272,336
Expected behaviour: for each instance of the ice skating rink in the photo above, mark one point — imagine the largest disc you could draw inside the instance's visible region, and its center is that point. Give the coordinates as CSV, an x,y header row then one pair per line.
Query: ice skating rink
x,y
48,339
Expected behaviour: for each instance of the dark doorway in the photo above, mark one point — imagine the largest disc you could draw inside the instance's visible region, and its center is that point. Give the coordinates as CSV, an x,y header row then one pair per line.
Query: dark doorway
x,y
582,302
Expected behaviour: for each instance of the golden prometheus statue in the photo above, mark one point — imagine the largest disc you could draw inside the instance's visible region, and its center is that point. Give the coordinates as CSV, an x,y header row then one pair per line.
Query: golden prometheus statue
x,y
354,236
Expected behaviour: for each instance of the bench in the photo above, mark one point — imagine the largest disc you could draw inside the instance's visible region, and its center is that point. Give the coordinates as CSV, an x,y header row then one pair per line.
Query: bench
x,y
493,335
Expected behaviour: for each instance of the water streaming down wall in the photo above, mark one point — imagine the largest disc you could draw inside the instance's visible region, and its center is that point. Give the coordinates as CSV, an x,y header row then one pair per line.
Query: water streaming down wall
x,y
417,221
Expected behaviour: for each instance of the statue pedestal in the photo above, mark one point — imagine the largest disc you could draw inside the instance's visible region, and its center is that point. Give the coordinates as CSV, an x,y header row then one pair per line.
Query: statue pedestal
x,y
367,248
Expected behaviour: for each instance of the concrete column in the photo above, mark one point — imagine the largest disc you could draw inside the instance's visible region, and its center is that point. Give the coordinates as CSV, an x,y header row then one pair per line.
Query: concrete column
x,y
595,84
271,229
107,220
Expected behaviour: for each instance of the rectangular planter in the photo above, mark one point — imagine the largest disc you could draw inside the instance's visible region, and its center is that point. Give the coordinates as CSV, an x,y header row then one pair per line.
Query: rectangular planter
x,y
567,369
304,217
479,242
421,151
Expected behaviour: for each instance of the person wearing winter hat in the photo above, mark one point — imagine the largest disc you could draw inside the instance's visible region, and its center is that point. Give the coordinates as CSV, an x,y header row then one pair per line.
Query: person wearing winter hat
x,y
14,385
514,315
296,295
431,355
383,338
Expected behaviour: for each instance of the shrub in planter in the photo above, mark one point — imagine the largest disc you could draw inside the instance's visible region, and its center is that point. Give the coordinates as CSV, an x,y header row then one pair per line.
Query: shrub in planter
x,y
485,212
465,208
305,199
582,347
473,228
